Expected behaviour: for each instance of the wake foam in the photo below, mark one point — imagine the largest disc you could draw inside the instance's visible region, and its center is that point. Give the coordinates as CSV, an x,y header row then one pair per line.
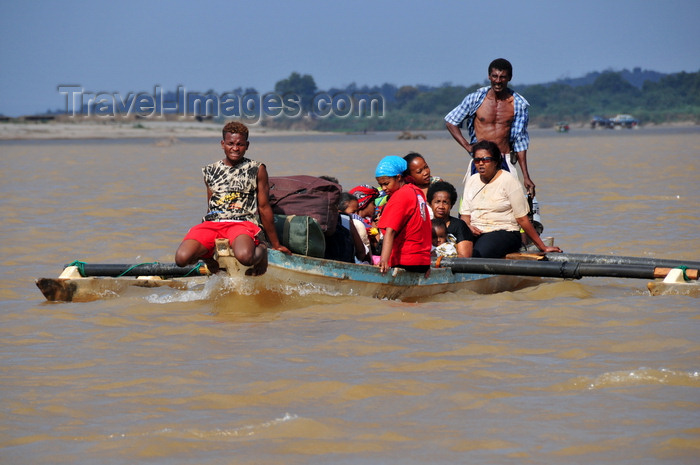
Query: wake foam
x,y
217,433
640,377
220,285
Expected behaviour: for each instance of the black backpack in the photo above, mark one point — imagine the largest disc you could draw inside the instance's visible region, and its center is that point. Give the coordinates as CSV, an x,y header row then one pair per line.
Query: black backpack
x,y
339,245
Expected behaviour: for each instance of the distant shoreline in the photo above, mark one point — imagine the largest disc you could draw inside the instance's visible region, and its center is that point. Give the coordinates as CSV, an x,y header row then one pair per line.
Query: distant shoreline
x,y
164,130
124,130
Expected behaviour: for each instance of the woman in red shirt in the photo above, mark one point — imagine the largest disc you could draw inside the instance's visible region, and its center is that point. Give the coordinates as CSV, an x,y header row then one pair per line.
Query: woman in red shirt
x,y
405,220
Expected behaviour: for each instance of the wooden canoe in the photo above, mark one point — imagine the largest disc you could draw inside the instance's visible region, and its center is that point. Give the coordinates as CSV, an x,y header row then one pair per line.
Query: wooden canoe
x,y
286,273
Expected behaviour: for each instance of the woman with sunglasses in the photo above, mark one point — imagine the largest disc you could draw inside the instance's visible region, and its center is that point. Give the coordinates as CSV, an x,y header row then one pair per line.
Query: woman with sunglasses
x,y
495,208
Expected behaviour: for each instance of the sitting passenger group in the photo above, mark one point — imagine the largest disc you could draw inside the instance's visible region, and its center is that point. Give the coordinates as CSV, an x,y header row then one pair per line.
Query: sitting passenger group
x,y
493,211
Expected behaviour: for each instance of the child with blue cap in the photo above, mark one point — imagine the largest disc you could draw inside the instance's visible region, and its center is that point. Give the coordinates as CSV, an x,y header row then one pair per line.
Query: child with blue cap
x,y
405,221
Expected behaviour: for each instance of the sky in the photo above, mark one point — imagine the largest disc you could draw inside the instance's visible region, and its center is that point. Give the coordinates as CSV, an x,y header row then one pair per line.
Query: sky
x,y
133,46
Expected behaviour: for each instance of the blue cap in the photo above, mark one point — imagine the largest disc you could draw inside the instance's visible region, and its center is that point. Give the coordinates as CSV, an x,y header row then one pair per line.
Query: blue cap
x,y
392,165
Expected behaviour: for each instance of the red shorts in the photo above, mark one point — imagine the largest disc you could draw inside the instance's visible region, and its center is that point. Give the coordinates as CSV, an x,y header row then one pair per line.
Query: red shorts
x,y
207,232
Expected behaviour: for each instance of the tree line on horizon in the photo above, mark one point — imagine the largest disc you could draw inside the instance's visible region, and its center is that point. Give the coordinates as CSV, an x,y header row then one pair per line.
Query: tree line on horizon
x,y
649,96
661,99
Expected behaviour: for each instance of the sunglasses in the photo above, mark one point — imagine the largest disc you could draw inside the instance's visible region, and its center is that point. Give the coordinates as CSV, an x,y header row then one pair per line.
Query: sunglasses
x,y
482,160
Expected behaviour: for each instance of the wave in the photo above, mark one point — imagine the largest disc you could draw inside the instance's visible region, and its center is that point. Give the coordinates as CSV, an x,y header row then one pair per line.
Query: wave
x,y
639,377
217,433
219,287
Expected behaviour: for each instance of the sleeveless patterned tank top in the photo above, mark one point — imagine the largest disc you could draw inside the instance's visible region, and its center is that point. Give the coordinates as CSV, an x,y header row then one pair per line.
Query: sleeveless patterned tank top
x,y
234,190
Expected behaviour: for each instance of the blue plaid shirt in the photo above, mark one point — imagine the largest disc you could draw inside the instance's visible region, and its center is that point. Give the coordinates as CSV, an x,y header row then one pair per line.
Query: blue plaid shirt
x,y
519,138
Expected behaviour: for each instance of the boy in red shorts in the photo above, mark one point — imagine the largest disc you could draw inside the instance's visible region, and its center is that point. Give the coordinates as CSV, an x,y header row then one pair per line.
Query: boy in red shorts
x,y
237,198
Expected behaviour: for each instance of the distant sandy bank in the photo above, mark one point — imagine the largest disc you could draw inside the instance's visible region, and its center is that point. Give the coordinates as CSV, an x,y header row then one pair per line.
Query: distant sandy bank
x,y
167,130
122,130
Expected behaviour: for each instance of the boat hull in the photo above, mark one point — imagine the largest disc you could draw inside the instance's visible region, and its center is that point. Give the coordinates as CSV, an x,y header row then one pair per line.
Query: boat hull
x,y
364,280
287,274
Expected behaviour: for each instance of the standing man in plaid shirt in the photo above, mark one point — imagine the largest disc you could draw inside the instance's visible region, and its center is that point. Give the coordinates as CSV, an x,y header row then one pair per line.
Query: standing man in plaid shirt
x,y
498,114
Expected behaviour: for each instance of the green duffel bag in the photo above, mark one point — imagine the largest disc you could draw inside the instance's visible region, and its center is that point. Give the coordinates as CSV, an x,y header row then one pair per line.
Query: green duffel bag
x,y
301,234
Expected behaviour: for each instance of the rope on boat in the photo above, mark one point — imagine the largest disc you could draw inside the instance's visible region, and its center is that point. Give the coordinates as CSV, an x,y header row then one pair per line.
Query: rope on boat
x,y
685,275
81,267
194,268
134,266
201,264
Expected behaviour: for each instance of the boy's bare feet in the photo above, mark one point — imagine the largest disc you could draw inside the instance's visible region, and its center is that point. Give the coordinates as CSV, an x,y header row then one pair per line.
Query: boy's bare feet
x,y
259,268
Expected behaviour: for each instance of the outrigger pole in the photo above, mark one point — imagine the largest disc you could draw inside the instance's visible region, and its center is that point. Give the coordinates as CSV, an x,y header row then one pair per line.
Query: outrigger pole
x,y
568,266
165,270
562,269
620,260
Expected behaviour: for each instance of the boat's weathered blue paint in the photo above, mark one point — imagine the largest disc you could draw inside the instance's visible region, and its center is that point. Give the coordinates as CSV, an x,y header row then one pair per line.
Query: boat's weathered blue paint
x,y
352,279
365,273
